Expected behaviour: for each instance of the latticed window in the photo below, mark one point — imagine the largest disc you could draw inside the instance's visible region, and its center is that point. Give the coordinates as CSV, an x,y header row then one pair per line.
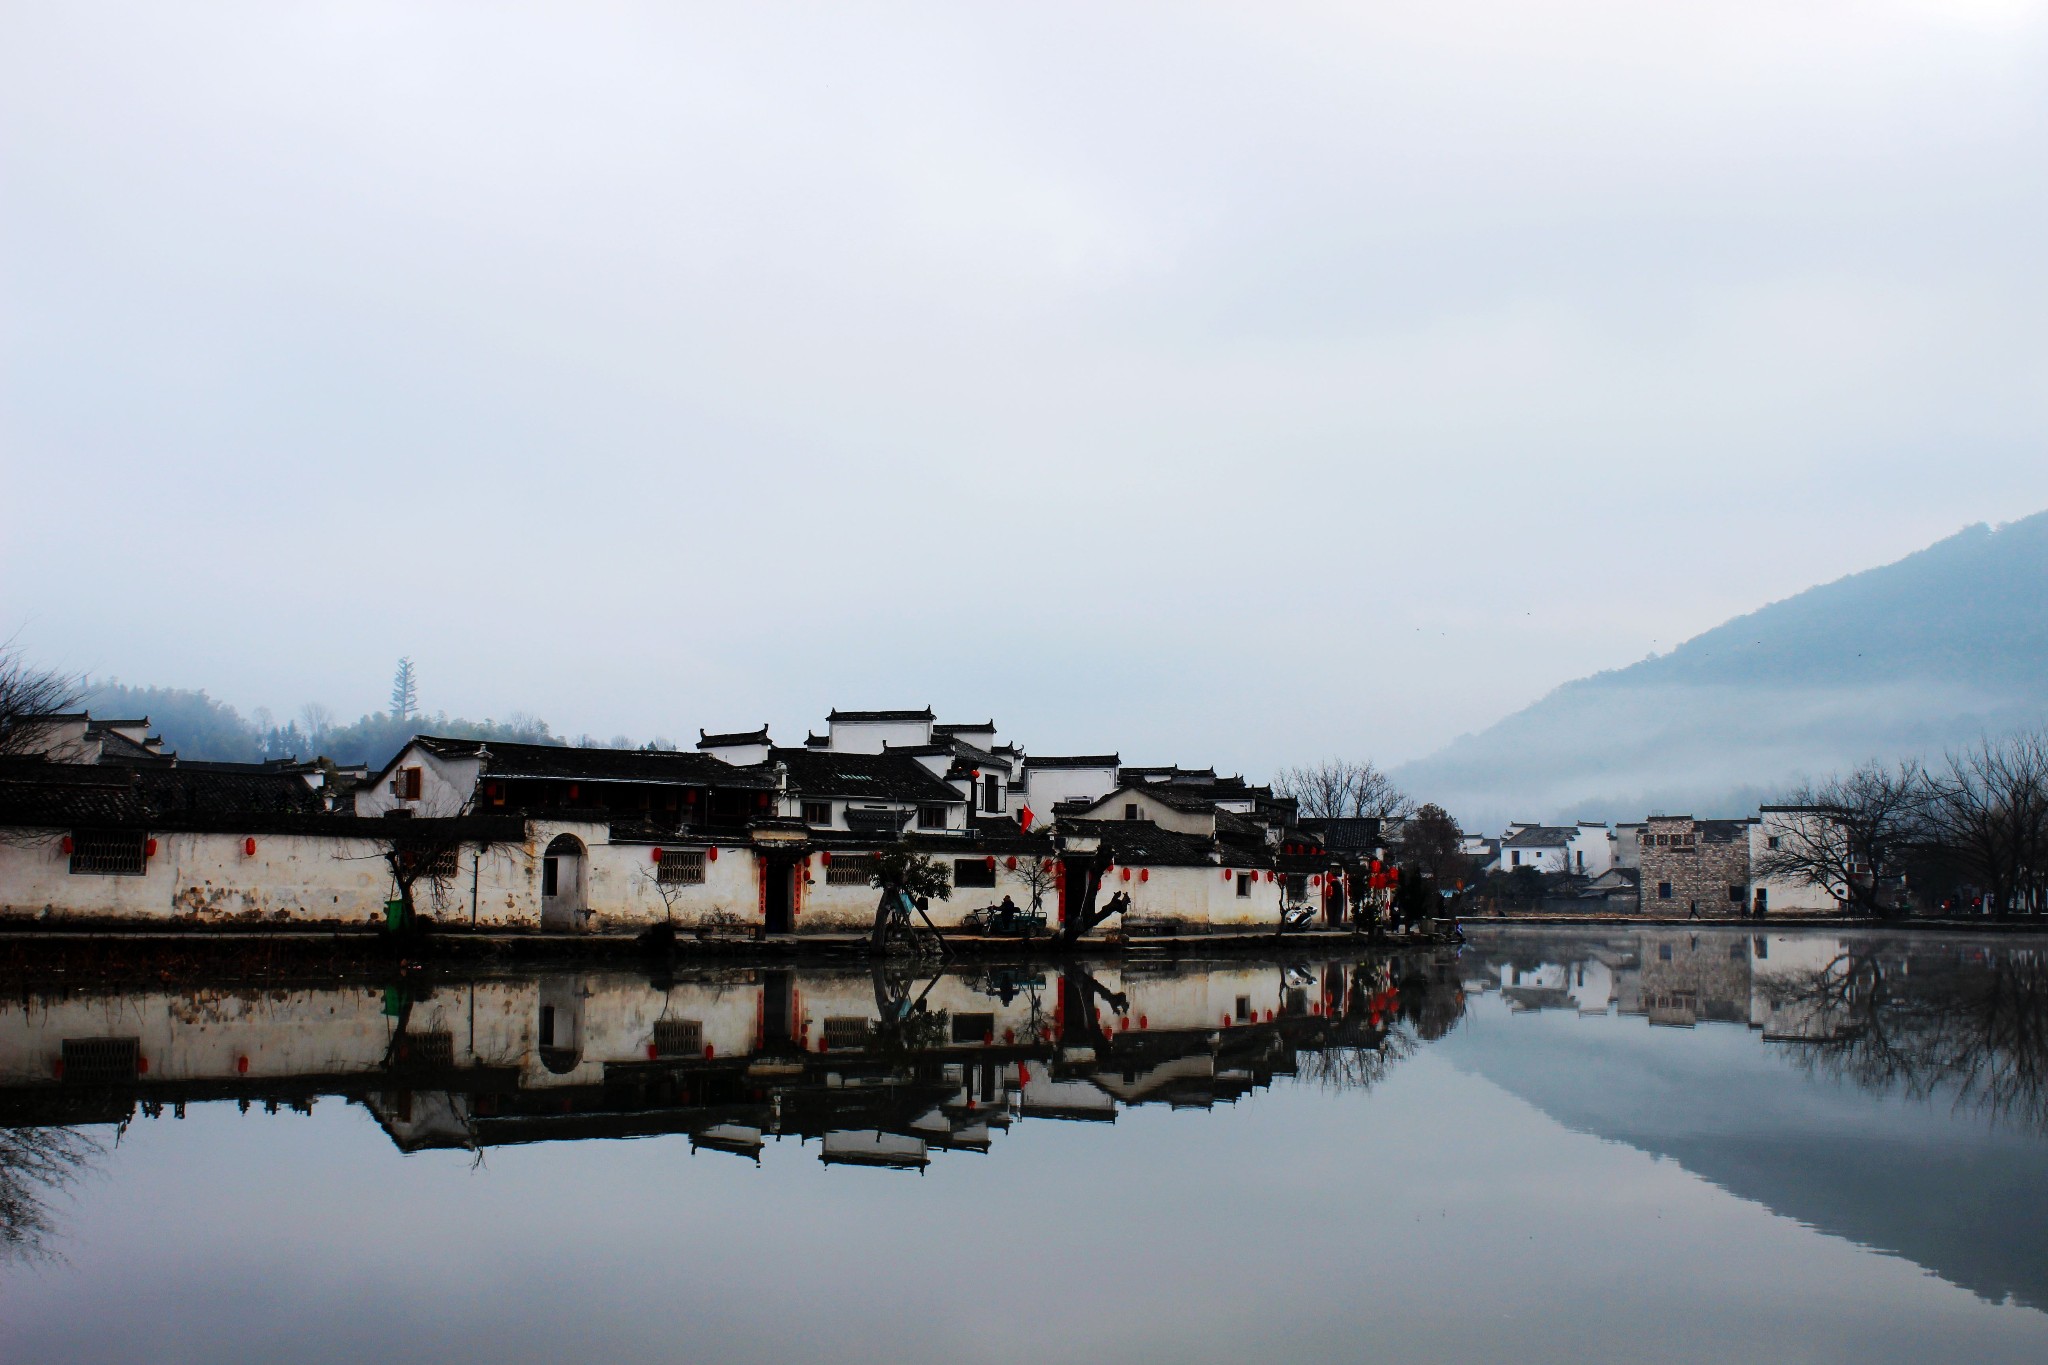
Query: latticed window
x,y
850,869
89,1061
678,1037
436,1050
849,1031
110,853
681,867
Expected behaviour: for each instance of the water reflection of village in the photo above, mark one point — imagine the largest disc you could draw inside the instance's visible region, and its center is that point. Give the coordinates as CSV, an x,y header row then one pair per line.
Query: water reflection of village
x,y
1961,1017
880,1067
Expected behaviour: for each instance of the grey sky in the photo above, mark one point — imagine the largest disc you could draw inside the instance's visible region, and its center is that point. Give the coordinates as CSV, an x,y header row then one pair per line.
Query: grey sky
x,y
1235,383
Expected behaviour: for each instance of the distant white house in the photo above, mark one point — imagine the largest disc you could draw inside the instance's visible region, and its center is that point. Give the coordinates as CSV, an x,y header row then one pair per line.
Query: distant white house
x,y
1585,849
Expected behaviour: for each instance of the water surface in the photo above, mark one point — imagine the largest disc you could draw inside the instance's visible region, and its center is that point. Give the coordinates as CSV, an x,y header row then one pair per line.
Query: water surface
x,y
1546,1146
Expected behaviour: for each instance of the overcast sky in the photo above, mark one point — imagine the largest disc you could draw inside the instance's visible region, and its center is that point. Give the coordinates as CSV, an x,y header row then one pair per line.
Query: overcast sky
x,y
1216,383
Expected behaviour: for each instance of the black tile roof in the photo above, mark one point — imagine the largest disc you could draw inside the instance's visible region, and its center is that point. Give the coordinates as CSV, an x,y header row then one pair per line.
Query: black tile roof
x,y
707,741
1073,761
954,728
658,767
837,715
1140,843
62,794
1349,833
891,776
1541,836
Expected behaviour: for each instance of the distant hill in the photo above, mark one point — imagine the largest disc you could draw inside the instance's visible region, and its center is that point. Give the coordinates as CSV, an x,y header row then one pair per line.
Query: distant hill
x,y
1925,654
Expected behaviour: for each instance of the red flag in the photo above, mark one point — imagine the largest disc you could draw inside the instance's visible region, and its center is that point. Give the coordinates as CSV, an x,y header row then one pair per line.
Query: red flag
x,y
1025,817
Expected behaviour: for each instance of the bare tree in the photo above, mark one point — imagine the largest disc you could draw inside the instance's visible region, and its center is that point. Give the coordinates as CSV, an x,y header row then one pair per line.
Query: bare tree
x,y
29,696
1040,876
34,1164
1988,817
1340,788
1851,836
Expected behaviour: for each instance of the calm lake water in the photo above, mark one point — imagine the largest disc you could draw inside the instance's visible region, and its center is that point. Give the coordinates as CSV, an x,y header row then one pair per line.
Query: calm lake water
x,y
1641,1145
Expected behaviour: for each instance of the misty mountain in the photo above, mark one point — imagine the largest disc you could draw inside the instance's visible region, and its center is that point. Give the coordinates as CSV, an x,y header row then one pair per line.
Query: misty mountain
x,y
1922,655
197,726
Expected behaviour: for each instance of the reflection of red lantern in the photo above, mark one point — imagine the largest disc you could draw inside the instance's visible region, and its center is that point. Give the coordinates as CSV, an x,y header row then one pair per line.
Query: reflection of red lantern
x,y
1127,874
242,1066
689,796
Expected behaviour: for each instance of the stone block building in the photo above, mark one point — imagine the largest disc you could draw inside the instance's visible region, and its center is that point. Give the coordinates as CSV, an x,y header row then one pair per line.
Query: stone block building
x,y
1690,864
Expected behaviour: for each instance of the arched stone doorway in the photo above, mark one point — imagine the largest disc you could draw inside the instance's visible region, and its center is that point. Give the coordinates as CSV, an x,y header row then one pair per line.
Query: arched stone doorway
x,y
564,884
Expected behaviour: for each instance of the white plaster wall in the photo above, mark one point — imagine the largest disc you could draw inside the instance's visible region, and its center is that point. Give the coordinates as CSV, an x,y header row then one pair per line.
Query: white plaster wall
x,y
1596,844
871,737
1785,893
1046,787
446,785
1150,807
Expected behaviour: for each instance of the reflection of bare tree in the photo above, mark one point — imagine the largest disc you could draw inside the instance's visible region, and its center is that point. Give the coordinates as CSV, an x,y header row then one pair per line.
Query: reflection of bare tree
x,y
1928,1026
1354,1068
36,1163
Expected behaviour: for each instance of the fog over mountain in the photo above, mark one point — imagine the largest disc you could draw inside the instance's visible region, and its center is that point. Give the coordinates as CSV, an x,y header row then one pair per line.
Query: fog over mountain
x,y
1924,654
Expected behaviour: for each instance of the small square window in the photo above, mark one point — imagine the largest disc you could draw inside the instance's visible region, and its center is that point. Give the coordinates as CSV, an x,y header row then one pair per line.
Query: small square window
x,y
931,817
817,812
680,867
1130,810
973,872
1663,891
1244,884
1244,1009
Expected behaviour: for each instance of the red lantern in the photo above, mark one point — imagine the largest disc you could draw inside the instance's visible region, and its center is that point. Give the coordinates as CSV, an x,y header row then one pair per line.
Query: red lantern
x,y
1127,874
1316,880
689,796
149,849
991,862
655,854
825,858
1011,862
65,844
1143,1022
652,1052
1226,874
249,848
574,791
707,1052
1144,874
713,852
